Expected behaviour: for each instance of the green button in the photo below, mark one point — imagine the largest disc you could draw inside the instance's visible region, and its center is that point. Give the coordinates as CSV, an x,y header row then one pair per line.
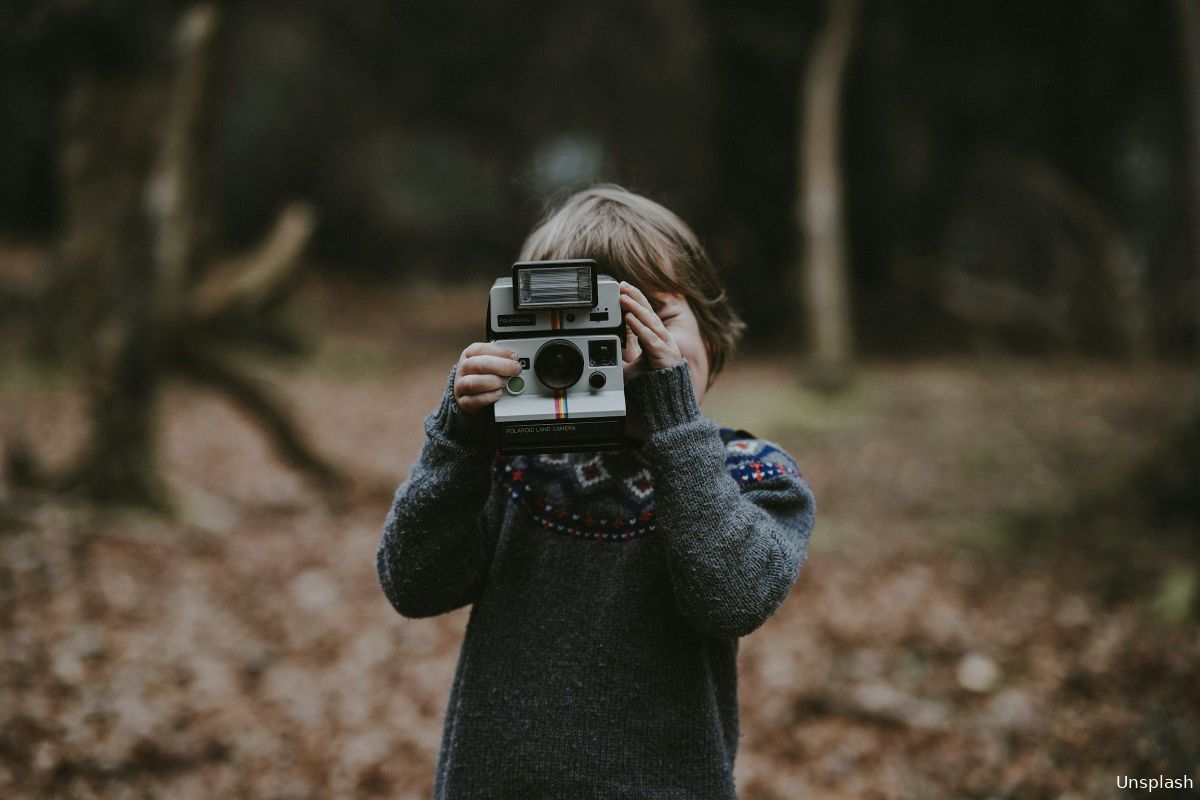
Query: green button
x,y
516,384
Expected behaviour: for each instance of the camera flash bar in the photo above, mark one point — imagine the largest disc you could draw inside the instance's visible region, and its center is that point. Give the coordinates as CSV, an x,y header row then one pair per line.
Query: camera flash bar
x,y
554,284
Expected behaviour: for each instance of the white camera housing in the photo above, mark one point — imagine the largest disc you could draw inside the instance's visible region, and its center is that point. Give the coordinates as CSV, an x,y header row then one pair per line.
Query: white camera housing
x,y
568,334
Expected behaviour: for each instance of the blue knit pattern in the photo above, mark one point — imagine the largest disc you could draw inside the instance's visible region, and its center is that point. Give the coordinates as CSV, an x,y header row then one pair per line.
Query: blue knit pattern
x,y
609,497
751,461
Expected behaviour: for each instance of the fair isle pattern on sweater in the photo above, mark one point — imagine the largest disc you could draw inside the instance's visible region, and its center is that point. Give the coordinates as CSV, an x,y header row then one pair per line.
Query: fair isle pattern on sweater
x,y
609,497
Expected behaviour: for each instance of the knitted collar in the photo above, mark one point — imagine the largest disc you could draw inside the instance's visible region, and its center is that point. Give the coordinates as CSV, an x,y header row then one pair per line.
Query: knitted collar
x,y
605,496
609,496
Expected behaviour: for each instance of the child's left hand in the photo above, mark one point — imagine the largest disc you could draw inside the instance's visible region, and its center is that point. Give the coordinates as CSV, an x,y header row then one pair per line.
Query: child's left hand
x,y
647,338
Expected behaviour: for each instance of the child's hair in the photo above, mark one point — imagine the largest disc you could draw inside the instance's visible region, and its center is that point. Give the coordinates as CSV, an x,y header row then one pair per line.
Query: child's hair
x,y
635,239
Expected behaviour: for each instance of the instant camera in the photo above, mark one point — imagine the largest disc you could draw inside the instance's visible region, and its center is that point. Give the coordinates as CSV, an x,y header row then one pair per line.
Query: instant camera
x,y
565,322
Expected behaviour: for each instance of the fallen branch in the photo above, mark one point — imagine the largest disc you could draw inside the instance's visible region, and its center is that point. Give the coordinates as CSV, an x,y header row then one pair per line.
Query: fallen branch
x,y
260,400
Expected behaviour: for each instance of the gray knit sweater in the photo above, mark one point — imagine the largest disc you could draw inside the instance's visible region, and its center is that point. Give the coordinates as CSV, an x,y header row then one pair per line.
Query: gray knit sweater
x,y
608,590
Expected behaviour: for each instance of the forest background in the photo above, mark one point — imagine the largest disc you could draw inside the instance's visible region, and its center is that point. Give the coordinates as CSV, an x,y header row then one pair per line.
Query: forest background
x,y
242,243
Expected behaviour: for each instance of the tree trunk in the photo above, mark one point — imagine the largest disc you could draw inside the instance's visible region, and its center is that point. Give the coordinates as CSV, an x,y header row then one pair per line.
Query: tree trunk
x,y
826,286
132,170
129,170
109,141
175,189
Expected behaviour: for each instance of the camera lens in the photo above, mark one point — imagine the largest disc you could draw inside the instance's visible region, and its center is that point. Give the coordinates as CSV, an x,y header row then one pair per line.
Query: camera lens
x,y
558,364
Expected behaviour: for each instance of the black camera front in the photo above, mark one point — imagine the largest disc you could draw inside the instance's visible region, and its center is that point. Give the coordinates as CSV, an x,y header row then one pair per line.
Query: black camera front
x,y
558,364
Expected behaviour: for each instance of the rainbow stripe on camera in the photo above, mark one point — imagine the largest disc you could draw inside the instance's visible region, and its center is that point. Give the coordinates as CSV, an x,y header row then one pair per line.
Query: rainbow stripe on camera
x,y
560,398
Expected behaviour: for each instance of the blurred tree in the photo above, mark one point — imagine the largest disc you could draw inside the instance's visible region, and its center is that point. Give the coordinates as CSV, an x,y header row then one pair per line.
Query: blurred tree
x,y
1189,36
940,95
1166,487
1177,474
429,133
1020,246
825,273
133,168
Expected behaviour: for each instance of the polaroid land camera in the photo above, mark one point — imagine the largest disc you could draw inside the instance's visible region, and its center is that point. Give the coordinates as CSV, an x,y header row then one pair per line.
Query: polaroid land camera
x,y
566,325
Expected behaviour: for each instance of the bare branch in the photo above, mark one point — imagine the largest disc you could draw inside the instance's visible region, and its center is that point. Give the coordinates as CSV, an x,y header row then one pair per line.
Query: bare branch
x,y
248,283
260,400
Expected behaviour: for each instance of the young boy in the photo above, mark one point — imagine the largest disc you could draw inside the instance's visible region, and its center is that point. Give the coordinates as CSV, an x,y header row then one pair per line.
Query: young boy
x,y
608,589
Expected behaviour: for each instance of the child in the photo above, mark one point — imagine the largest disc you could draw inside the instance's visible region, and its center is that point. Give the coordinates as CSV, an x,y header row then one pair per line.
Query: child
x,y
608,589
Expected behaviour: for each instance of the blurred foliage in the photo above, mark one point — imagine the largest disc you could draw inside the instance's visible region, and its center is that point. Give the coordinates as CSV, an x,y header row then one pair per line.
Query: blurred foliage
x,y
1002,591
430,135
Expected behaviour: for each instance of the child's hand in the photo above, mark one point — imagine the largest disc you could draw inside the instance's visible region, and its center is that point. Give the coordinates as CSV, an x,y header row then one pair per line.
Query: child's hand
x,y
647,338
483,369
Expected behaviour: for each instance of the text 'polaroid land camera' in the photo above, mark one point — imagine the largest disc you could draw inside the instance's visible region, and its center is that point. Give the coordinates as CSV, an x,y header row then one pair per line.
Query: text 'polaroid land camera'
x,y
566,325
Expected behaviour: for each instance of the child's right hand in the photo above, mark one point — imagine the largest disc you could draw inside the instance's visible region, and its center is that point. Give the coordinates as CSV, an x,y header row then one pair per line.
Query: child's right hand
x,y
483,369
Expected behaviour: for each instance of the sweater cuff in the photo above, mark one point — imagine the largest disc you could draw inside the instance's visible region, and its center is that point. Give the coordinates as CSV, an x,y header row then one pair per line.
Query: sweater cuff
x,y
662,398
477,431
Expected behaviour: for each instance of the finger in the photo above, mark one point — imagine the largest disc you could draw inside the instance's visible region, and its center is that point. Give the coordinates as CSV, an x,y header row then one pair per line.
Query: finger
x,y
478,384
487,349
633,354
646,314
649,339
636,293
490,365
633,348
473,404
641,299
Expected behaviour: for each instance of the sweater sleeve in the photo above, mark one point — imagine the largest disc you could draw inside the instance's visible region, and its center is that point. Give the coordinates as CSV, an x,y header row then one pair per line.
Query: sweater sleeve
x,y
734,537
437,539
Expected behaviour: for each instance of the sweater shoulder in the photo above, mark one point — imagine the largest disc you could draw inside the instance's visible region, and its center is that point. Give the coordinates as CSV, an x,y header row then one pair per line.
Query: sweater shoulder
x,y
751,460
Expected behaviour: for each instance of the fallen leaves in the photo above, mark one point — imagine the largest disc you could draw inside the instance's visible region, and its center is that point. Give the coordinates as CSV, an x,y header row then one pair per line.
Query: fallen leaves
x,y
248,651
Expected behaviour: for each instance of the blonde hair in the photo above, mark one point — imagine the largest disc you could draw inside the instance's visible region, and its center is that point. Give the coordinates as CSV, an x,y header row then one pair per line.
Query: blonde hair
x,y
635,239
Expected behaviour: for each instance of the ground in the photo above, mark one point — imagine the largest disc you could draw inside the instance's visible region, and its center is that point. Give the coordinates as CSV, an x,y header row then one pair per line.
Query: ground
x,y
949,636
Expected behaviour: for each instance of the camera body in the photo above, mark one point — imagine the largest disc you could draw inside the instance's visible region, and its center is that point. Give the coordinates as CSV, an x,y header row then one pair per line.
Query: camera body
x,y
565,322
